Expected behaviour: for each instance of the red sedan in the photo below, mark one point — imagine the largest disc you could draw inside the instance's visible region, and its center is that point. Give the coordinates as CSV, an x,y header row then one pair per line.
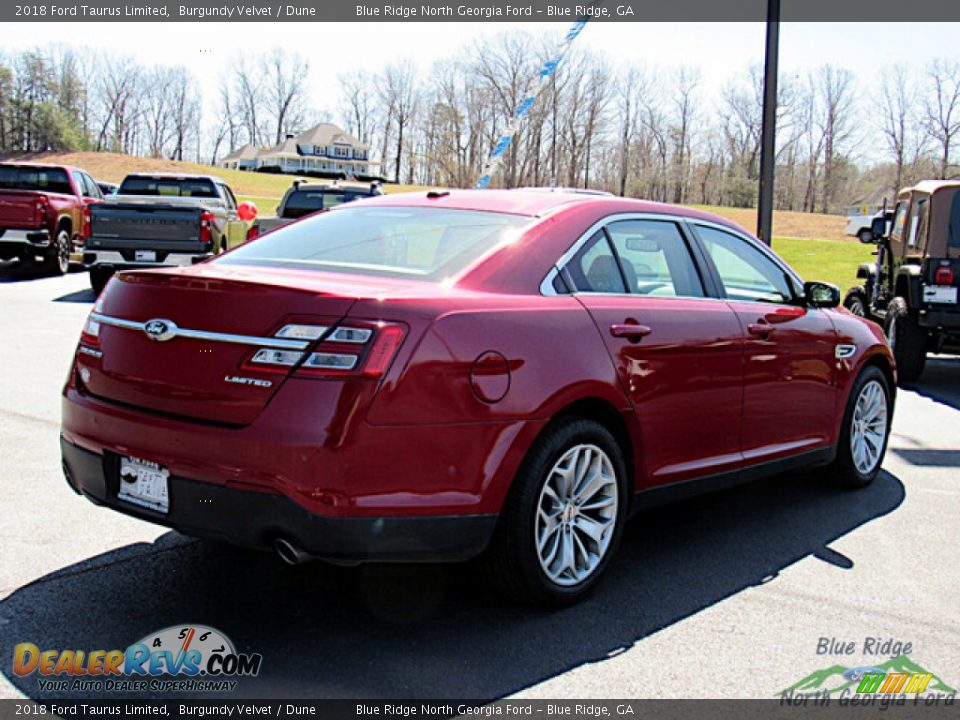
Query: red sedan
x,y
441,375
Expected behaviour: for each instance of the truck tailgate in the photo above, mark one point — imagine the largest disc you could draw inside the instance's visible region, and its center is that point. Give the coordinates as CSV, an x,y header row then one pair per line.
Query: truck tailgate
x,y
154,227
18,210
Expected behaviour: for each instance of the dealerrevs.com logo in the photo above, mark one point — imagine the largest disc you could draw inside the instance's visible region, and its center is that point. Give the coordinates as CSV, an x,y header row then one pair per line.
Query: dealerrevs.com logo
x,y
193,658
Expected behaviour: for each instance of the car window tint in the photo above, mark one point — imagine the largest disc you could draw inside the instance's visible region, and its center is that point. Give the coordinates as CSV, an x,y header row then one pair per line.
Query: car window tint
x,y
954,231
53,180
746,273
304,202
655,258
594,268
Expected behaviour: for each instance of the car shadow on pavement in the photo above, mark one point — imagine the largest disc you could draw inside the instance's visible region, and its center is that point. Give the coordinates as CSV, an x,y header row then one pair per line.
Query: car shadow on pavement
x,y
941,380
80,296
431,631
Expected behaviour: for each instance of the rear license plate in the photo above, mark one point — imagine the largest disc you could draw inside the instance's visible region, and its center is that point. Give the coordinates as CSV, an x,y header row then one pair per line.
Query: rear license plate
x,y
144,483
145,255
939,294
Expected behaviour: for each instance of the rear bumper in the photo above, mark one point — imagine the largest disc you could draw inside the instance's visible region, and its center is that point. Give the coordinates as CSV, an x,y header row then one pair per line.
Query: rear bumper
x,y
114,259
947,319
24,244
255,519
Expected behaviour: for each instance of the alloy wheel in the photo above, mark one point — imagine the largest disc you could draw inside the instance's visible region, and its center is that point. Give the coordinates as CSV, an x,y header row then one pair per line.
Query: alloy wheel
x,y
576,515
868,428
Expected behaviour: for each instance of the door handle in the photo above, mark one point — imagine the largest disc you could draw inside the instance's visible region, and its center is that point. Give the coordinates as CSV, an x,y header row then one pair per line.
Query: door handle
x,y
633,332
761,329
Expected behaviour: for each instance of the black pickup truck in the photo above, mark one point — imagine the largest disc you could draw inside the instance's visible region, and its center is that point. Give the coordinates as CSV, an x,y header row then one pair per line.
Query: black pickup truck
x,y
163,219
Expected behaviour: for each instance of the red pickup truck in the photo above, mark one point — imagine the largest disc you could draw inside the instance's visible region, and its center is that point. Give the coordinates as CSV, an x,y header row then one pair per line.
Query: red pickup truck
x,y
44,216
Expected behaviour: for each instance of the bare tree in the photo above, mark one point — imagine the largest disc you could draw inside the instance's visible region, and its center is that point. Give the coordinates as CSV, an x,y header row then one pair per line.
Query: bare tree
x,y
285,76
898,122
943,108
835,87
685,81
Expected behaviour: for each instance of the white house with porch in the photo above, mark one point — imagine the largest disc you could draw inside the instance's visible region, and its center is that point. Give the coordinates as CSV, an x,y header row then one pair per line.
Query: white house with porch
x,y
323,150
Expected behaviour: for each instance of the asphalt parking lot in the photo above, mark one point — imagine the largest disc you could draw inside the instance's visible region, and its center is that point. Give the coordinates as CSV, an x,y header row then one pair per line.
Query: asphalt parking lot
x,y
723,596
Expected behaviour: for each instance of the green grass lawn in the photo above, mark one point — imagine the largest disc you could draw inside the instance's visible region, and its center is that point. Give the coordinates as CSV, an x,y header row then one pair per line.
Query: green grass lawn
x,y
828,260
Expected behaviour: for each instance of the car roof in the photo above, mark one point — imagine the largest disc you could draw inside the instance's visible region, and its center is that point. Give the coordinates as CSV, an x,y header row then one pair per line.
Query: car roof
x,y
537,202
931,186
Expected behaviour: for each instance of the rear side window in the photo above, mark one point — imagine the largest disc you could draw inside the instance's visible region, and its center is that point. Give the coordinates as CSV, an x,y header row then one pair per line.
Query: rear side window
x,y
304,202
954,232
655,258
594,268
53,180
422,243
169,187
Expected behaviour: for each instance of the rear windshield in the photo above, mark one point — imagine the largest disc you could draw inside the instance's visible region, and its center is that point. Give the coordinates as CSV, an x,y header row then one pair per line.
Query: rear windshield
x,y
53,180
422,243
169,187
304,202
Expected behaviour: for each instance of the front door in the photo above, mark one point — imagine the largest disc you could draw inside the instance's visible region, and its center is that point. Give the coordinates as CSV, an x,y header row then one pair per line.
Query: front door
x,y
677,353
790,393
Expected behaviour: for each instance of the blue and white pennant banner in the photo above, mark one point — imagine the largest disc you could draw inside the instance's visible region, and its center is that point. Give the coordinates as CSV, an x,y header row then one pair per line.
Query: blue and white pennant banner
x,y
548,69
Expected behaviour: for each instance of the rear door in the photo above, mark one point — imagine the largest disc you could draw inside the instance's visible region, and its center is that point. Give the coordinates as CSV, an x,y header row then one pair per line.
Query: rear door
x,y
678,354
789,392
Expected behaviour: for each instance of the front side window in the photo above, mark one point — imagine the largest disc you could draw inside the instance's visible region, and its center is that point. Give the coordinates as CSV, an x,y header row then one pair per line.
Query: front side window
x,y
431,244
655,258
746,273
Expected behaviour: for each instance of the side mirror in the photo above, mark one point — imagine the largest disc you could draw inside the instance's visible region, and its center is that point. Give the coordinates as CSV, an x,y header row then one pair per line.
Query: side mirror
x,y
821,294
878,228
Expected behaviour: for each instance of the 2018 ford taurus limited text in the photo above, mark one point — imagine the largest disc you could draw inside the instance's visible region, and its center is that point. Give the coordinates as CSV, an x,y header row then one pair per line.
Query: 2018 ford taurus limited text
x,y
446,375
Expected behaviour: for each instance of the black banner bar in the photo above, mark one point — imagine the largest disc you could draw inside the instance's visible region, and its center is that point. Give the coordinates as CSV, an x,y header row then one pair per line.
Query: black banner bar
x,y
475,11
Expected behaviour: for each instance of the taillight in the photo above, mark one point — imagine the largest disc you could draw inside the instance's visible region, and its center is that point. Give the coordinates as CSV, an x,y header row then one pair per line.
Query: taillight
x,y
206,227
87,227
359,349
40,210
943,275
253,232
91,332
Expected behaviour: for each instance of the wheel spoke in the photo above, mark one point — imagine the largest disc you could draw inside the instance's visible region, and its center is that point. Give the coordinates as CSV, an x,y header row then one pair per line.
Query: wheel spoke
x,y
591,528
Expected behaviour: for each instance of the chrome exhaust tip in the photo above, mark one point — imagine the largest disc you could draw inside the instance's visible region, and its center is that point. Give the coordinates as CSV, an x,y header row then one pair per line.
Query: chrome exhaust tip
x,y
290,553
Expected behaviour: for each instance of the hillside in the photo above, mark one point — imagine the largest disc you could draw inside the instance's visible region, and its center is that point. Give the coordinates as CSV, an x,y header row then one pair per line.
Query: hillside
x,y
261,187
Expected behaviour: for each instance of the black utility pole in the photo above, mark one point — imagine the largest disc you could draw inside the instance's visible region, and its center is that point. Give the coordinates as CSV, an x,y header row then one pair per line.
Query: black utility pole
x,y
768,145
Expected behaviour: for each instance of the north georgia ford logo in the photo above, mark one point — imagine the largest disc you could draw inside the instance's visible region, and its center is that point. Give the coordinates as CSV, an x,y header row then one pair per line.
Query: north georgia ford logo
x,y
189,650
160,329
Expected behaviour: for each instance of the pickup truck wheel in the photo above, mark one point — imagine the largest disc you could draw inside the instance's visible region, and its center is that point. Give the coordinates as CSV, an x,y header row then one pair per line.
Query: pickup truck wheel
x,y
865,236
865,431
58,262
907,340
856,302
563,518
99,279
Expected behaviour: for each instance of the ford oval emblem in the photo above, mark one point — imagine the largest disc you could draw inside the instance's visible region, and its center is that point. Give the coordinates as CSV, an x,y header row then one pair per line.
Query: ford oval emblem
x,y
160,330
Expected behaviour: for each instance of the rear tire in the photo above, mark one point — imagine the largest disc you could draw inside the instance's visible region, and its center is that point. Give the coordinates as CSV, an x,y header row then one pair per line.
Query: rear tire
x,y
99,279
865,431
59,262
907,340
857,303
563,518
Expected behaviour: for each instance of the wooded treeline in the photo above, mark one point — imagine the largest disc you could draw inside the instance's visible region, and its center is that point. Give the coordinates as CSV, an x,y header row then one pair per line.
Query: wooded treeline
x,y
633,129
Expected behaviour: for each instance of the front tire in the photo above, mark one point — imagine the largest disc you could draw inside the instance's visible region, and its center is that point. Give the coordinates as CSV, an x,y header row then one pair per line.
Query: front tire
x,y
865,431
563,518
857,303
907,340
865,236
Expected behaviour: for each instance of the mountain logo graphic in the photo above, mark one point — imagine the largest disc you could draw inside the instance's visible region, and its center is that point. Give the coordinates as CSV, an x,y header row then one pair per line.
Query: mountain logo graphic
x,y
897,675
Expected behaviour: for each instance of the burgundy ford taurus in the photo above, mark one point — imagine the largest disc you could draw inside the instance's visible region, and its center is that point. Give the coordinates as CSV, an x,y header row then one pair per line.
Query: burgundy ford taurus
x,y
442,375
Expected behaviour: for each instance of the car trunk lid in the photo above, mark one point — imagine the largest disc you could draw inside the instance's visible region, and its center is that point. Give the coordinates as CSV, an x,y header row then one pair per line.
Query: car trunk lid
x,y
179,342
